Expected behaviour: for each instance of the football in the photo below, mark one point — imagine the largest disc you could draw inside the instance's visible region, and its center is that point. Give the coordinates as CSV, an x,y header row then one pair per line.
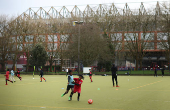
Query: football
x,y
90,101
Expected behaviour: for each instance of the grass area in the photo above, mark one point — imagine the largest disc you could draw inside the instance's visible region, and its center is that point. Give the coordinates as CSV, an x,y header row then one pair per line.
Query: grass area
x,y
134,93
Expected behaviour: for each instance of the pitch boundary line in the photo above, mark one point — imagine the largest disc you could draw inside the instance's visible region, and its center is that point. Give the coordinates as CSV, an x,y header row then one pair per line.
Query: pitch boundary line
x,y
151,90
57,107
145,85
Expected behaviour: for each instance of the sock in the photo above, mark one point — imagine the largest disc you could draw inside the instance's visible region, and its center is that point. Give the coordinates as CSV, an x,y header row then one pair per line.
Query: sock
x,y
78,95
9,80
71,94
65,93
43,78
91,80
6,82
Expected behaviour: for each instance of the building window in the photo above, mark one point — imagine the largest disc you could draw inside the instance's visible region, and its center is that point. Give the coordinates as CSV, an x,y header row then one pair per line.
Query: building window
x,y
128,45
116,36
14,47
52,46
64,38
66,63
52,38
12,40
19,39
118,46
28,47
19,47
29,38
130,36
162,45
162,36
147,36
40,38
72,64
64,46
150,45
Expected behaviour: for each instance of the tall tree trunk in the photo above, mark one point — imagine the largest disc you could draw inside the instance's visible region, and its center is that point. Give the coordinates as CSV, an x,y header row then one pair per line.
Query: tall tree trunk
x,y
13,66
27,65
61,64
51,63
137,60
140,64
3,67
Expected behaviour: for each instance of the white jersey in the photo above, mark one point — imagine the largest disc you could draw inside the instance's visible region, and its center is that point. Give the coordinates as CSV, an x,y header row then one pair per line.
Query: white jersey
x,y
66,70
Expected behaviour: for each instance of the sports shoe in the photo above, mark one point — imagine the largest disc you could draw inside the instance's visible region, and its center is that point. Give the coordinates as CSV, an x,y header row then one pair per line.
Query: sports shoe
x,y
113,86
62,95
69,98
40,81
117,86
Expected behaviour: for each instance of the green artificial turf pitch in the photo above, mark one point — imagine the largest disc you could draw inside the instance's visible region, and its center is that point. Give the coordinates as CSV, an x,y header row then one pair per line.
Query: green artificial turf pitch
x,y
134,93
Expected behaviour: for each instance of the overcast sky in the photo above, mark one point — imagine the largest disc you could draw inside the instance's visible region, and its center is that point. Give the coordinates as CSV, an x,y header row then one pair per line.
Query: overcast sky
x,y
17,7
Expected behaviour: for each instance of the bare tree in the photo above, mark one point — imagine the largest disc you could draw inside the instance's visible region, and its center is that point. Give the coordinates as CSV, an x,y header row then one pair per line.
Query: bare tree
x,y
23,30
64,41
52,41
92,44
5,41
109,21
163,25
57,43
137,43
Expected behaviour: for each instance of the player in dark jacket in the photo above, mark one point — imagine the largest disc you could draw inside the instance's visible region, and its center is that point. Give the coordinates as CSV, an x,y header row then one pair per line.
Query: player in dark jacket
x,y
114,75
163,69
155,72
18,74
41,75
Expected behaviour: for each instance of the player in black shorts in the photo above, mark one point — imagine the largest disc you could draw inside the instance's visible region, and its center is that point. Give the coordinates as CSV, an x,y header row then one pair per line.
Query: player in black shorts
x,y
155,72
70,85
163,71
114,75
41,75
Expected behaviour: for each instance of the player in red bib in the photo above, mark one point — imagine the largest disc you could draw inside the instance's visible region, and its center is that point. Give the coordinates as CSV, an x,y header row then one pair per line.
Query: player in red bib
x,y
77,86
90,75
7,76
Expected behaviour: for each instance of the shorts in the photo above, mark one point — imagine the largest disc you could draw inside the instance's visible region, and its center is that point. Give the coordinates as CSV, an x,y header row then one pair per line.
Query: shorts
x,y
77,90
70,87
